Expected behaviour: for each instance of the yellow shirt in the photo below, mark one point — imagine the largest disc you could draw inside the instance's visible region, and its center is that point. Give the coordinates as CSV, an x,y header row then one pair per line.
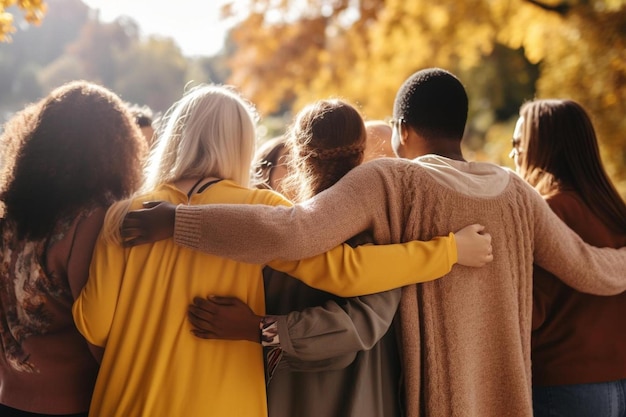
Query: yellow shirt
x,y
135,305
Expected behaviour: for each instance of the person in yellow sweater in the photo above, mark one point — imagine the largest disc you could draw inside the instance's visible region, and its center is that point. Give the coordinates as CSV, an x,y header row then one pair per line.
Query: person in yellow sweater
x,y
135,301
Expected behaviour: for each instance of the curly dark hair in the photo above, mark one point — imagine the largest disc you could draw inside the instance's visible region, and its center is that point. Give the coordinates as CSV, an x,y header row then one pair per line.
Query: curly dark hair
x,y
78,146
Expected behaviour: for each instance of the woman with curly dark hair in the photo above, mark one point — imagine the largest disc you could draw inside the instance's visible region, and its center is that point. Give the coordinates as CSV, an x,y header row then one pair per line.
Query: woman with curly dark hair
x,y
65,159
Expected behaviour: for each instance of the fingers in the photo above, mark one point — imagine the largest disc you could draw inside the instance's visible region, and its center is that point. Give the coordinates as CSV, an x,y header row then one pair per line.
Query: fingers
x,y
472,228
200,313
204,304
477,227
224,301
489,255
203,334
150,204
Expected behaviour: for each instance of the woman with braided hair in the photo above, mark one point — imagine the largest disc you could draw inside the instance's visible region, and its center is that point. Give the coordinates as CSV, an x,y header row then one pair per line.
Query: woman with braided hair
x,y
326,356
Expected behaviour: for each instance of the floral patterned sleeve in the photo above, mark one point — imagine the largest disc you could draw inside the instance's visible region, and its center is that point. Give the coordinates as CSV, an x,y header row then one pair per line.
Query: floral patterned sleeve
x,y
271,345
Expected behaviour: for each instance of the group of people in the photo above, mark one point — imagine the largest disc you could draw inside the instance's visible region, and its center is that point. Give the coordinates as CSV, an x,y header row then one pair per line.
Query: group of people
x,y
226,281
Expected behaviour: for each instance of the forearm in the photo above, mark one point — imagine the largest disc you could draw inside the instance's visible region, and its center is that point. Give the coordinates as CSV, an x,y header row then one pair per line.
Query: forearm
x,y
585,268
304,230
329,337
368,269
336,329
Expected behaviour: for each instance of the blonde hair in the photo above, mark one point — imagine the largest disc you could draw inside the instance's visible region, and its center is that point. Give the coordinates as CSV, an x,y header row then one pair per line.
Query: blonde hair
x,y
209,132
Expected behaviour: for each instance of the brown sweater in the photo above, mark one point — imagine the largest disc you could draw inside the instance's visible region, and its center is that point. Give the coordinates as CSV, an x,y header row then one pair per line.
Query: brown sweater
x,y
466,337
578,338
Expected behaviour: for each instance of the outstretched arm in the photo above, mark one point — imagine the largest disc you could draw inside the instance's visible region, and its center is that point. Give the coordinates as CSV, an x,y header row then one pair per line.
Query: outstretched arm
x,y
152,223
288,233
315,339
559,250
335,329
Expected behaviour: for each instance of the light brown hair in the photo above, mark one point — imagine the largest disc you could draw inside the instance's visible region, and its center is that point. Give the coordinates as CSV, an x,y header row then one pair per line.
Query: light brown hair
x,y
560,150
326,141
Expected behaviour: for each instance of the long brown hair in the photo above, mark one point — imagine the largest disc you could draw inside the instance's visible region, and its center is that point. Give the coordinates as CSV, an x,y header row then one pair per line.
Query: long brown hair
x,y
560,150
326,141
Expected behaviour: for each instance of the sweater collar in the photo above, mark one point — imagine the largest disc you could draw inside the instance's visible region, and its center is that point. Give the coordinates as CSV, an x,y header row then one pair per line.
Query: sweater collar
x,y
477,179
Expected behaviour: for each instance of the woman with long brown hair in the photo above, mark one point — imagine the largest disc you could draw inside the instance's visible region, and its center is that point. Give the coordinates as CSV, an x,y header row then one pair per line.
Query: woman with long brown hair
x,y
578,340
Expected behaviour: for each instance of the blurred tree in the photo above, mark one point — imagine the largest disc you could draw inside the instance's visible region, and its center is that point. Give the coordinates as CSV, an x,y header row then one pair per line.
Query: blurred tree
x,y
99,45
152,73
64,69
291,51
34,47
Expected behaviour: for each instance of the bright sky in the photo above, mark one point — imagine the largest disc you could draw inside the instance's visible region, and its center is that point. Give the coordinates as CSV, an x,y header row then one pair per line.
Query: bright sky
x,y
194,24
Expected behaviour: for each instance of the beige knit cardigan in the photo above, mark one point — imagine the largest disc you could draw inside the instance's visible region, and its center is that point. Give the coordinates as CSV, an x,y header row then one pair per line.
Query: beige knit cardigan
x,y
465,338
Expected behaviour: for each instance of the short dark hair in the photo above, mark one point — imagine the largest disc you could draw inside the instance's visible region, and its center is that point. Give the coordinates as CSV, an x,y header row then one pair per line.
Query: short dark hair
x,y
434,103
144,116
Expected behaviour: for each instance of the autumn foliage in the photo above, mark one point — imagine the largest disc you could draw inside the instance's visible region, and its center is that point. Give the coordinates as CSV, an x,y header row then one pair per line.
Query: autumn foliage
x,y
33,13
286,53
291,52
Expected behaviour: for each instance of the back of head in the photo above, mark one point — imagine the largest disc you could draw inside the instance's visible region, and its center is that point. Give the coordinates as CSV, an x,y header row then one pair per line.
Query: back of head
x,y
559,150
434,103
209,132
77,146
326,141
378,140
144,117
269,156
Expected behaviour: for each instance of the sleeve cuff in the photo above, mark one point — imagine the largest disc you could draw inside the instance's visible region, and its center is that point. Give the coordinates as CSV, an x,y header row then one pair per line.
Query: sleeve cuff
x,y
187,225
269,332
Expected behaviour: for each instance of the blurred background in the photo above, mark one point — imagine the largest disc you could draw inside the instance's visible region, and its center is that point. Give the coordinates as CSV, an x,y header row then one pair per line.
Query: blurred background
x,y
283,54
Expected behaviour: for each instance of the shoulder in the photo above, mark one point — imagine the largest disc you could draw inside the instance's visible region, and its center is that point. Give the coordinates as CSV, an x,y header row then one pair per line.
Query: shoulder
x,y
567,201
227,192
570,207
383,169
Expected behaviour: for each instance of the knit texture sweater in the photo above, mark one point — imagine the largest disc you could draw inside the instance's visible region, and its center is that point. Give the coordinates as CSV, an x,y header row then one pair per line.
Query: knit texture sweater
x,y
465,338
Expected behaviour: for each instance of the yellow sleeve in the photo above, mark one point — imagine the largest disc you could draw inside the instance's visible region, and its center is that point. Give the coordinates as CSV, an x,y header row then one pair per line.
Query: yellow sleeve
x,y
368,269
94,308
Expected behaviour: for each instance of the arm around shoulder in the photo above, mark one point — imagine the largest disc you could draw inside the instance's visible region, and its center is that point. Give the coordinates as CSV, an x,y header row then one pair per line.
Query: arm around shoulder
x,y
336,329
559,250
368,269
260,233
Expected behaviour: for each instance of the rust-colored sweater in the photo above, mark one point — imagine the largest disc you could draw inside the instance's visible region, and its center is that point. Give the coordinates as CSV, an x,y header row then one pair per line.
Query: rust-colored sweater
x,y
466,337
578,338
